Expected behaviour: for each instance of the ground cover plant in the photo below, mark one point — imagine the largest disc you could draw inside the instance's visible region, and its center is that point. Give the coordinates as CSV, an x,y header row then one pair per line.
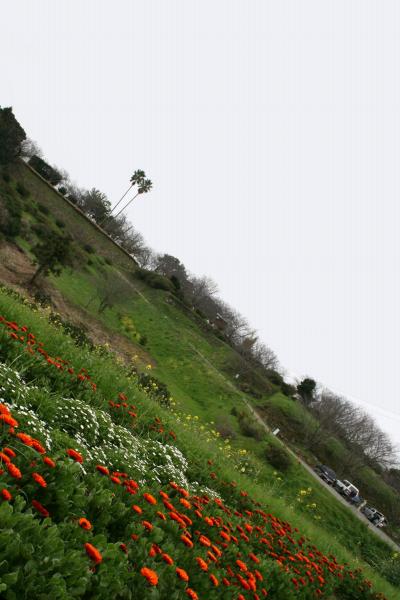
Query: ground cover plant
x,y
106,493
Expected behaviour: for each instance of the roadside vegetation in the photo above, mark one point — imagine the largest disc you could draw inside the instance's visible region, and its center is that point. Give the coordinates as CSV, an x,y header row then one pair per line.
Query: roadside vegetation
x,y
189,368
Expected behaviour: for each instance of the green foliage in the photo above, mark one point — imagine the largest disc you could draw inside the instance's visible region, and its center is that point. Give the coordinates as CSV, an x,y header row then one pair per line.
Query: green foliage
x,y
250,427
52,254
306,389
11,136
43,209
154,280
45,170
10,213
21,189
277,456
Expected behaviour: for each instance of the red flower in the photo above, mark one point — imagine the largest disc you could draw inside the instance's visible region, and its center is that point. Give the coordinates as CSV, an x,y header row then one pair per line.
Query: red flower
x,y
14,471
147,525
115,480
151,576
85,524
75,455
214,580
241,565
102,470
149,498
6,495
192,594
8,420
25,439
40,508
187,541
38,447
137,509
5,458
49,462
182,574
202,563
39,479
93,553
9,452
166,558
4,410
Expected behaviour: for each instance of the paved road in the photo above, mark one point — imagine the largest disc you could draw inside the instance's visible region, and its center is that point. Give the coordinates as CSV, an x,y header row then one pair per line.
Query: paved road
x,y
376,530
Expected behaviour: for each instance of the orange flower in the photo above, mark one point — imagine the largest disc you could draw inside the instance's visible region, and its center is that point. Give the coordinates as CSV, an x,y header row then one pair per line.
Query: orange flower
x,y
39,479
40,508
38,447
254,558
85,524
5,458
75,455
204,541
187,541
192,594
214,580
25,439
182,574
202,563
6,495
9,452
137,509
8,420
149,498
14,471
241,565
166,558
147,525
151,576
93,553
4,410
49,462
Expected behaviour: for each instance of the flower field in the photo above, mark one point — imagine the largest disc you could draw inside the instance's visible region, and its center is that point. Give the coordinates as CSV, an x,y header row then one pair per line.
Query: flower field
x,y
103,497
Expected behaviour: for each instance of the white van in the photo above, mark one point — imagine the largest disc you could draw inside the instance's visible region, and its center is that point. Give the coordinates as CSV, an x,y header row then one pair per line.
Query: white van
x,y
346,488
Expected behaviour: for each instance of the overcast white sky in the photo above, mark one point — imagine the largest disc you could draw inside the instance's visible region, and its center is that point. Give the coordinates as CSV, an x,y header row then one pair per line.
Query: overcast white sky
x,y
271,131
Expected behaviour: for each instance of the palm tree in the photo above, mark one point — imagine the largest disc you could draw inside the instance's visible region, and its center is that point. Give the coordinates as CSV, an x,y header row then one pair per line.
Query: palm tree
x,y
144,187
137,179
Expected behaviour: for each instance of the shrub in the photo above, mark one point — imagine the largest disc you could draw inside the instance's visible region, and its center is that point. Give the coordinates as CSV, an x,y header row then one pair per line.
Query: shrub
x,y
21,189
278,457
60,223
108,261
45,170
6,177
250,427
89,249
11,214
43,209
40,229
154,280
225,429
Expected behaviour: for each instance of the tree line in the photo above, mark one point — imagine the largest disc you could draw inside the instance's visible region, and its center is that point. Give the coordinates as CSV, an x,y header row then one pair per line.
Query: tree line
x,y
334,414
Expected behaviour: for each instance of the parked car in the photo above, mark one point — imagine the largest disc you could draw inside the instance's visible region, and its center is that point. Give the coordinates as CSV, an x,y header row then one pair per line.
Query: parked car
x,y
373,515
346,488
326,473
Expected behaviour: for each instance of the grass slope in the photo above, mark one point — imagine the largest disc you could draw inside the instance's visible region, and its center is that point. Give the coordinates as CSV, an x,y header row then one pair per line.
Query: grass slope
x,y
190,361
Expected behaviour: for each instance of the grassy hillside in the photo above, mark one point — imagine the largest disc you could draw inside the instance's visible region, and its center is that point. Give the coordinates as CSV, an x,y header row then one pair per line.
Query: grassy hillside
x,y
151,334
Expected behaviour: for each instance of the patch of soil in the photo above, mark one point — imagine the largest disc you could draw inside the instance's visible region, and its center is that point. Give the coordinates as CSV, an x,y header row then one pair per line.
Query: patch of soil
x,y
16,270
